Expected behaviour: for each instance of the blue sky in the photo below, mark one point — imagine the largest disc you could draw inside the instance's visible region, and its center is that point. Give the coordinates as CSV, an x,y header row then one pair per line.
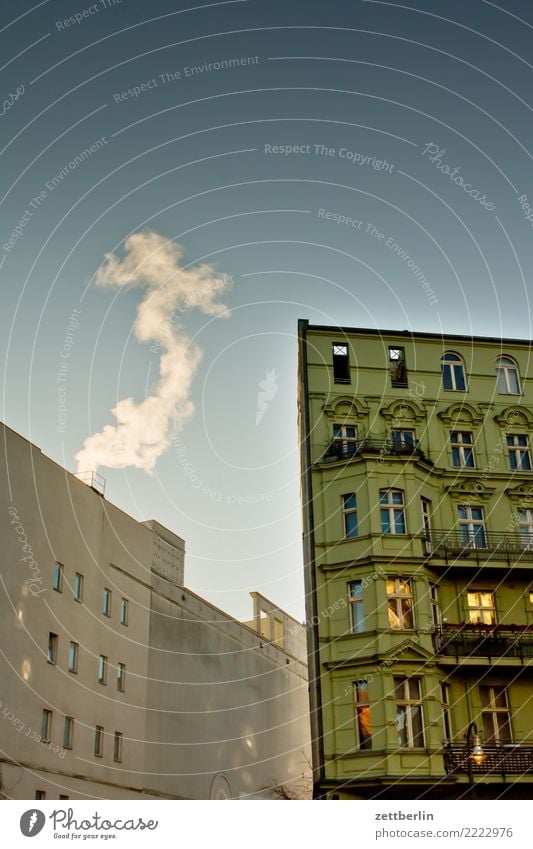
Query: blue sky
x,y
326,112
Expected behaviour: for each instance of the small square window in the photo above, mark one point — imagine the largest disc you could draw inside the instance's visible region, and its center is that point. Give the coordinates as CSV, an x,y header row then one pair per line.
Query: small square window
x,y
78,587
57,582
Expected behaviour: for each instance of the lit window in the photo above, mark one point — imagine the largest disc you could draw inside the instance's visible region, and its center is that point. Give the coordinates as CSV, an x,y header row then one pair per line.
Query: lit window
x,y
68,732
78,587
349,513
453,372
73,652
392,511
519,455
507,376
462,449
341,363
357,606
472,526
106,607
345,439
99,741
117,747
446,711
495,715
362,713
481,608
46,725
102,669
409,724
124,605
52,648
57,582
397,366
524,517
400,604
121,677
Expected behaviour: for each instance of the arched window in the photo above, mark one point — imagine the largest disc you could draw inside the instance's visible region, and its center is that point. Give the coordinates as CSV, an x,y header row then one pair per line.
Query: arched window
x,y
453,372
507,376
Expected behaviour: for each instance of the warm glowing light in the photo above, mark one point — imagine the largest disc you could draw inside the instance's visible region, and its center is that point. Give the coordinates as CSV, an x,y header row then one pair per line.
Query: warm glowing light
x,y
26,669
477,754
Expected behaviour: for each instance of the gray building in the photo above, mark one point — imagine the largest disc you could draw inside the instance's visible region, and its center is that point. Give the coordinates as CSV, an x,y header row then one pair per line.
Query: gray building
x,y
117,681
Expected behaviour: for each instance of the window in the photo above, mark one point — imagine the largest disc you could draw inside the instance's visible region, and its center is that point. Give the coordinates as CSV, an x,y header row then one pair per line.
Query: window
x,y
519,456
117,747
102,669
453,372
392,511
435,606
462,449
341,363
52,648
357,606
57,582
425,505
446,712
400,604
481,608
46,726
349,514
403,438
524,516
121,676
63,797
495,715
409,725
397,366
106,607
68,732
507,376
78,587
40,794
362,713
124,605
73,651
345,439
99,741
472,526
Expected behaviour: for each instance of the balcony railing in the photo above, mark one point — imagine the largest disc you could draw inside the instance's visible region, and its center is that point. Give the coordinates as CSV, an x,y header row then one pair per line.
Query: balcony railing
x,y
504,759
479,544
343,449
515,641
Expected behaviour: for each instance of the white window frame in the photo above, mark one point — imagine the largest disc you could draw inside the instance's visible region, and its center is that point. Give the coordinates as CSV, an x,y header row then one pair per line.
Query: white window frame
x,y
524,519
121,677
395,599
410,705
504,366
73,652
102,669
452,364
46,725
357,607
460,447
106,605
392,508
68,732
491,711
78,587
472,526
519,451
124,611
362,707
347,512
483,611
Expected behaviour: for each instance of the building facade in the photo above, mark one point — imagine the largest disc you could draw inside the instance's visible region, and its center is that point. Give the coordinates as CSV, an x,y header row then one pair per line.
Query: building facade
x,y
118,682
417,490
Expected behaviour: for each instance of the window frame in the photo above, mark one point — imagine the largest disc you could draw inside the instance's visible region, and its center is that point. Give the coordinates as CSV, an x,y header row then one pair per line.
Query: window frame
x,y
502,371
348,514
480,607
451,361
124,611
397,367
118,741
121,677
340,362
390,509
102,669
53,647
446,711
107,601
518,451
357,606
525,527
58,576
410,706
46,725
363,713
402,443
77,590
462,449
473,526
395,599
99,741
68,732
493,712
73,650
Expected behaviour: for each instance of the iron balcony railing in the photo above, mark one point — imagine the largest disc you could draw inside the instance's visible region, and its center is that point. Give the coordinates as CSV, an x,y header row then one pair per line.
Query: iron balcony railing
x,y
506,758
468,640
344,449
479,543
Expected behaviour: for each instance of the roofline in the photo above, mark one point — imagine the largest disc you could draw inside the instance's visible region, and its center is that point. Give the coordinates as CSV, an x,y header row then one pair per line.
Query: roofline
x,y
413,334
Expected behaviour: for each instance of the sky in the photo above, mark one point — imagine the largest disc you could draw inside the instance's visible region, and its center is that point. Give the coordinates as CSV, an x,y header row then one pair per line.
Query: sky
x,y
181,182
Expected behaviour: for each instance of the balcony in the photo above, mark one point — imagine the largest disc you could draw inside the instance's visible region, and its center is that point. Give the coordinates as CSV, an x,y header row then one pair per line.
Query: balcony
x,y
481,545
343,449
504,759
492,641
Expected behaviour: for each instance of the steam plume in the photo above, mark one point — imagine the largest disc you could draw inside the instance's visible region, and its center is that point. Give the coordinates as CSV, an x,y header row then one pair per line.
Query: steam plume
x,y
143,430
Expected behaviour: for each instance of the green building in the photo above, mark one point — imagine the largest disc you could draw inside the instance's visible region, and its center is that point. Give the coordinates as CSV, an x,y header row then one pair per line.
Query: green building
x,y
417,491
